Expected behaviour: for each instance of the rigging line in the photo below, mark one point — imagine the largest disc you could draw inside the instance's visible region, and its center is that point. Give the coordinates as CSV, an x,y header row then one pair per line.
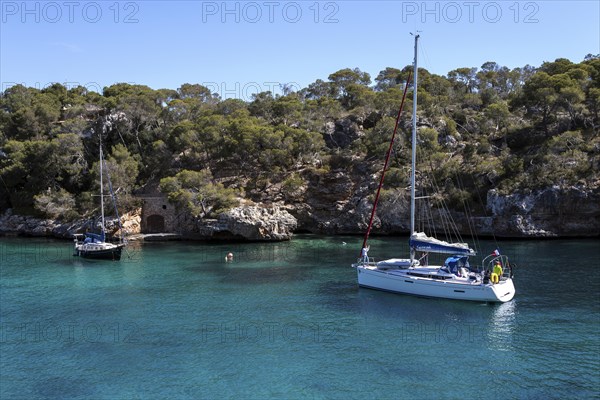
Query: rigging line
x,y
448,225
4,183
387,159
470,219
451,226
452,223
444,222
468,215
424,56
427,223
431,219
429,189
471,225
113,196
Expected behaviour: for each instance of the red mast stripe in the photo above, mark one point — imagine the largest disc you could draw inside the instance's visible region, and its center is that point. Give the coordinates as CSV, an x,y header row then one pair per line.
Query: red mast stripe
x,y
387,159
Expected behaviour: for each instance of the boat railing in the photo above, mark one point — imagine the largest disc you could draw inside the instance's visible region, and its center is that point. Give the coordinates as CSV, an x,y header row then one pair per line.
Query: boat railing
x,y
368,261
488,262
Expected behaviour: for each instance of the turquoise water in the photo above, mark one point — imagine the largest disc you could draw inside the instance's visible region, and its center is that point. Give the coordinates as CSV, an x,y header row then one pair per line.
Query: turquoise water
x,y
287,321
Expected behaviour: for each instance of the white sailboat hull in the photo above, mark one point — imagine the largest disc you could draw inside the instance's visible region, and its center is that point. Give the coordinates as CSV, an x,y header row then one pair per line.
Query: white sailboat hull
x,y
455,279
399,281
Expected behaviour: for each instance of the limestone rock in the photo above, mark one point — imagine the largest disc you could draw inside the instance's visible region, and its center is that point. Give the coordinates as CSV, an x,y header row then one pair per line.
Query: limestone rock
x,y
252,223
551,212
32,226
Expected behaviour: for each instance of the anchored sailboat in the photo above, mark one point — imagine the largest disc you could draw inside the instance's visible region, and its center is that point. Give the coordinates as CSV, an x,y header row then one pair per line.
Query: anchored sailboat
x,y
455,278
94,245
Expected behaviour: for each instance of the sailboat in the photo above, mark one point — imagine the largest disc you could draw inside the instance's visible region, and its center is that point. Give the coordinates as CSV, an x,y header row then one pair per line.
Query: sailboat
x,y
94,245
453,279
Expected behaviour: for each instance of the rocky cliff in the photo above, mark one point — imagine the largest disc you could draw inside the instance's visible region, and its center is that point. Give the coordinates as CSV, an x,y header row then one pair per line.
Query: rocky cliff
x,y
553,212
24,225
252,223
337,204
31,226
340,202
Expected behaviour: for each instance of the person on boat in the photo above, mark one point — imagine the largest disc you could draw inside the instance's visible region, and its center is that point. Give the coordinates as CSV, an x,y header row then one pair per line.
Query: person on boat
x,y
364,255
496,272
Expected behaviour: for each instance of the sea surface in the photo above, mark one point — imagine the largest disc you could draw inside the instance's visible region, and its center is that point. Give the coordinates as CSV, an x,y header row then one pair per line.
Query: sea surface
x,y
287,321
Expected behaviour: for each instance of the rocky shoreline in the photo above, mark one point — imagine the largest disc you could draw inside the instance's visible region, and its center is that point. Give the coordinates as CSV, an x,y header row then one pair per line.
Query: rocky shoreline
x,y
245,223
551,213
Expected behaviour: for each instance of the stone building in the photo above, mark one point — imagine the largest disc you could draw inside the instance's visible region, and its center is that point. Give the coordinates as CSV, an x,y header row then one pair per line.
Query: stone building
x,y
158,215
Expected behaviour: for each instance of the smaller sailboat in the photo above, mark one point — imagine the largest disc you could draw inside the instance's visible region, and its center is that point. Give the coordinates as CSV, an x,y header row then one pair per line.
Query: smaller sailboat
x,y
94,245
453,279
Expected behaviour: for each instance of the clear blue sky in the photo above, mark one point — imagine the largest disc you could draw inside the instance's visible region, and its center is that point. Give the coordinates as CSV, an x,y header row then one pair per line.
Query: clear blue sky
x,y
240,48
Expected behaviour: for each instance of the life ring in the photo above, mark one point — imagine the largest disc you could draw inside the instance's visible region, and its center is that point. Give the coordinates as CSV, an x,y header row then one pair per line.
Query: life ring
x,y
494,277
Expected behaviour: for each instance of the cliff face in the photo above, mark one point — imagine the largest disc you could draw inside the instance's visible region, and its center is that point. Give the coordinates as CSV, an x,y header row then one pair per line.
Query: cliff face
x,y
253,223
553,212
340,203
32,226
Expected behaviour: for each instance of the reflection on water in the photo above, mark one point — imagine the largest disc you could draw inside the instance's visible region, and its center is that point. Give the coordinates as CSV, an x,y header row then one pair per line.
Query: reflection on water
x,y
501,326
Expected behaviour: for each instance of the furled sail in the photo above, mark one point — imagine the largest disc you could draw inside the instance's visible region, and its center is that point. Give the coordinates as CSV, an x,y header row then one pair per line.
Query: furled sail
x,y
421,242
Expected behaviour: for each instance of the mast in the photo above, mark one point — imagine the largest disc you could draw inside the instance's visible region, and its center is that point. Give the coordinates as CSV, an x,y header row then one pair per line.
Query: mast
x,y
414,150
102,193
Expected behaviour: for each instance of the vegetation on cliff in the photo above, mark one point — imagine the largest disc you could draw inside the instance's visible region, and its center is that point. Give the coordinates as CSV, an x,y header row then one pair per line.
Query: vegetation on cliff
x,y
481,128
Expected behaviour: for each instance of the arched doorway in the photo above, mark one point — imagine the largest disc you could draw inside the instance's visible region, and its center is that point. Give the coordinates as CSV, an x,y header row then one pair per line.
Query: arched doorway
x,y
155,223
